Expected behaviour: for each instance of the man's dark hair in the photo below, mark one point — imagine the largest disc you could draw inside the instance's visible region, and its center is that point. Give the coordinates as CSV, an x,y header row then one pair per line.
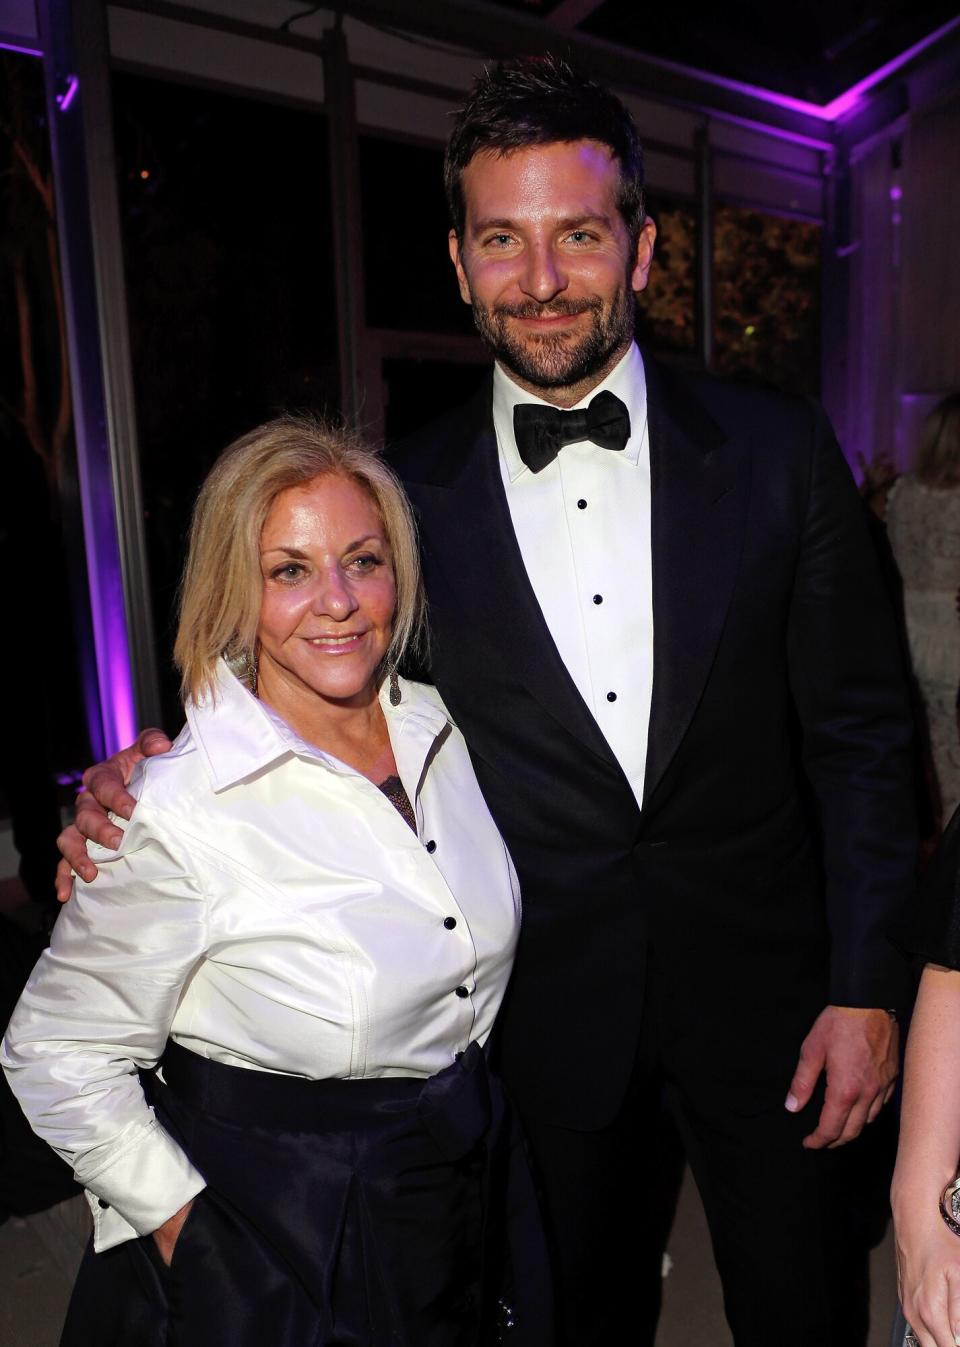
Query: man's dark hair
x,y
542,100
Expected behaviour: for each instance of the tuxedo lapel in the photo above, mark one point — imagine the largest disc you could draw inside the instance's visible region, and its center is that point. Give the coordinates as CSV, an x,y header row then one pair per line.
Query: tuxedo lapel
x,y
699,492
469,539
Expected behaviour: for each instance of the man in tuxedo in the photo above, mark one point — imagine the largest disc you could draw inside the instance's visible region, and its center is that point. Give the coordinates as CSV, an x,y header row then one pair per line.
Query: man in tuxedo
x,y
657,618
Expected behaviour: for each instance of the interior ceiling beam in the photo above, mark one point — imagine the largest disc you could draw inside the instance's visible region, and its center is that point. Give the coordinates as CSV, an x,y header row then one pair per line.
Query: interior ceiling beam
x,y
493,31
570,13
220,23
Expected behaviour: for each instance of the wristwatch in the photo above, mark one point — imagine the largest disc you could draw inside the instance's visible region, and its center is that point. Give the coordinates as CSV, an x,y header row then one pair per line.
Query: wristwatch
x,y
950,1206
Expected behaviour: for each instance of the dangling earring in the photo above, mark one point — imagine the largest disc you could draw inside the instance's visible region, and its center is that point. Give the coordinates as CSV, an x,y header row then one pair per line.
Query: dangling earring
x,y
251,668
394,688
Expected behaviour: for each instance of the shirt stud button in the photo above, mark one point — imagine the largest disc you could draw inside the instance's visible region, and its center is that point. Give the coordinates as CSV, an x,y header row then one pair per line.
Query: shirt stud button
x,y
431,846
598,598
462,992
581,504
449,922
611,696
104,1206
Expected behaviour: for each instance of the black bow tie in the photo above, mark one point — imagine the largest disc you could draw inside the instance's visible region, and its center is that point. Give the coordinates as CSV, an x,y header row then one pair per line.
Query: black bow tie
x,y
541,432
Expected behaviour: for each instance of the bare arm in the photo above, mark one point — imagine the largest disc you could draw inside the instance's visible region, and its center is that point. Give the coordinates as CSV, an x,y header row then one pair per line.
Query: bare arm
x,y
928,1254
104,788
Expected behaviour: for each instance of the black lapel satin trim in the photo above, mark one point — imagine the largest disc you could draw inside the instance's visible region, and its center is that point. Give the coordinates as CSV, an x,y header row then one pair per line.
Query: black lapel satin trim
x,y
699,490
483,565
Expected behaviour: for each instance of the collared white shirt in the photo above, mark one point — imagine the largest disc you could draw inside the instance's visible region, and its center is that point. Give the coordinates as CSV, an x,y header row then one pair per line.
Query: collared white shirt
x,y
583,525
268,907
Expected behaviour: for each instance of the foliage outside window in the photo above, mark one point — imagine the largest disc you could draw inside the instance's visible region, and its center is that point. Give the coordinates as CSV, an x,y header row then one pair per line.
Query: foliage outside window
x,y
666,311
767,298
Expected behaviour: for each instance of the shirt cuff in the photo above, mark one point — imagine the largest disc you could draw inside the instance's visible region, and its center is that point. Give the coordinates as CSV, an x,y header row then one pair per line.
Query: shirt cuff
x,y
133,1195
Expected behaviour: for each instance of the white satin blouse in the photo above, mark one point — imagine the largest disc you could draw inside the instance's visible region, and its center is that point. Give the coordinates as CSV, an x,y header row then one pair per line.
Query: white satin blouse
x,y
268,907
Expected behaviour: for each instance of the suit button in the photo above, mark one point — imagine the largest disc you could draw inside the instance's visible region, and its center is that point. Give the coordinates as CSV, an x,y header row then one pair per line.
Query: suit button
x,y
449,922
431,846
462,992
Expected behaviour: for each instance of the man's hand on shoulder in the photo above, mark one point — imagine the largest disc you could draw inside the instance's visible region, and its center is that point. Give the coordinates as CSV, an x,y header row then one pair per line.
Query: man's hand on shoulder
x,y
104,788
858,1049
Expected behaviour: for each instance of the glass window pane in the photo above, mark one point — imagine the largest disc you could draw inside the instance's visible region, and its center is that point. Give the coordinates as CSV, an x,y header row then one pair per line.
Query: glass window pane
x,y
409,280
767,298
225,207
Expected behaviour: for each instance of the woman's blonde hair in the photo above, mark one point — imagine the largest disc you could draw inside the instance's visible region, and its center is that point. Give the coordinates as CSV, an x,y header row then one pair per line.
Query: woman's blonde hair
x,y
937,461
222,585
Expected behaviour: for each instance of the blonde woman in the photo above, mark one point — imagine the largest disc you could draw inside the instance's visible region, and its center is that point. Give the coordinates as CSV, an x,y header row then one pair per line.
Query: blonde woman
x,y
923,520
309,926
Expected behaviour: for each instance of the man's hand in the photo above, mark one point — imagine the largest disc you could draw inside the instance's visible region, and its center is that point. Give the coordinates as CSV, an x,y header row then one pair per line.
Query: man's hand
x,y
104,787
165,1237
858,1049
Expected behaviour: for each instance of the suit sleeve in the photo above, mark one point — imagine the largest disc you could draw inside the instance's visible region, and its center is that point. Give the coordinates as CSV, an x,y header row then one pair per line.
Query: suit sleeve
x,y
935,933
849,686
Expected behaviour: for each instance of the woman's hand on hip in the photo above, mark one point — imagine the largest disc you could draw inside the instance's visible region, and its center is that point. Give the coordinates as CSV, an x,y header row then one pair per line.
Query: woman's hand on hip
x,y
165,1236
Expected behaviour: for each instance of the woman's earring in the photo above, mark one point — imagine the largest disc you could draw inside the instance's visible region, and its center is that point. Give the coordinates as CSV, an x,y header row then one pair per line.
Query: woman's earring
x,y
394,688
251,669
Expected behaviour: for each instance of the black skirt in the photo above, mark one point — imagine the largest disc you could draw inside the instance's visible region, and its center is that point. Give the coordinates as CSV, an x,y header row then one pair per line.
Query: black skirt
x,y
367,1213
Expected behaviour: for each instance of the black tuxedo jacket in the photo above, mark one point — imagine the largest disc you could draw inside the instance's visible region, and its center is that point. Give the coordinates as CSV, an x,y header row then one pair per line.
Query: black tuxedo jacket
x,y
775,841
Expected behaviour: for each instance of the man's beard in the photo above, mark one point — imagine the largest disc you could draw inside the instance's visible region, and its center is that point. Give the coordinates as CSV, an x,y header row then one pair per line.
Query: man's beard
x,y
548,360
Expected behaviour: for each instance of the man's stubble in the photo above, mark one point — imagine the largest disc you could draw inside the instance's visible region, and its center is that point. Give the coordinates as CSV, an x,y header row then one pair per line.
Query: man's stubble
x,y
552,362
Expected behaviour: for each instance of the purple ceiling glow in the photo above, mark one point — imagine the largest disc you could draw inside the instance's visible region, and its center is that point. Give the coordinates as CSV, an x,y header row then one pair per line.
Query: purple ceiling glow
x,y
845,102
828,112
22,51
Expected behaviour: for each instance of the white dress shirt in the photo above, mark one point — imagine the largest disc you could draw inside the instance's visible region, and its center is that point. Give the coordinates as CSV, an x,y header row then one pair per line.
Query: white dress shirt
x,y
583,525
268,907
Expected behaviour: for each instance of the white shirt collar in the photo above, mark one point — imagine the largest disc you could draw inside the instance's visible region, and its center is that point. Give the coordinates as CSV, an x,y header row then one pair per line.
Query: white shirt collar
x,y
627,380
237,736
